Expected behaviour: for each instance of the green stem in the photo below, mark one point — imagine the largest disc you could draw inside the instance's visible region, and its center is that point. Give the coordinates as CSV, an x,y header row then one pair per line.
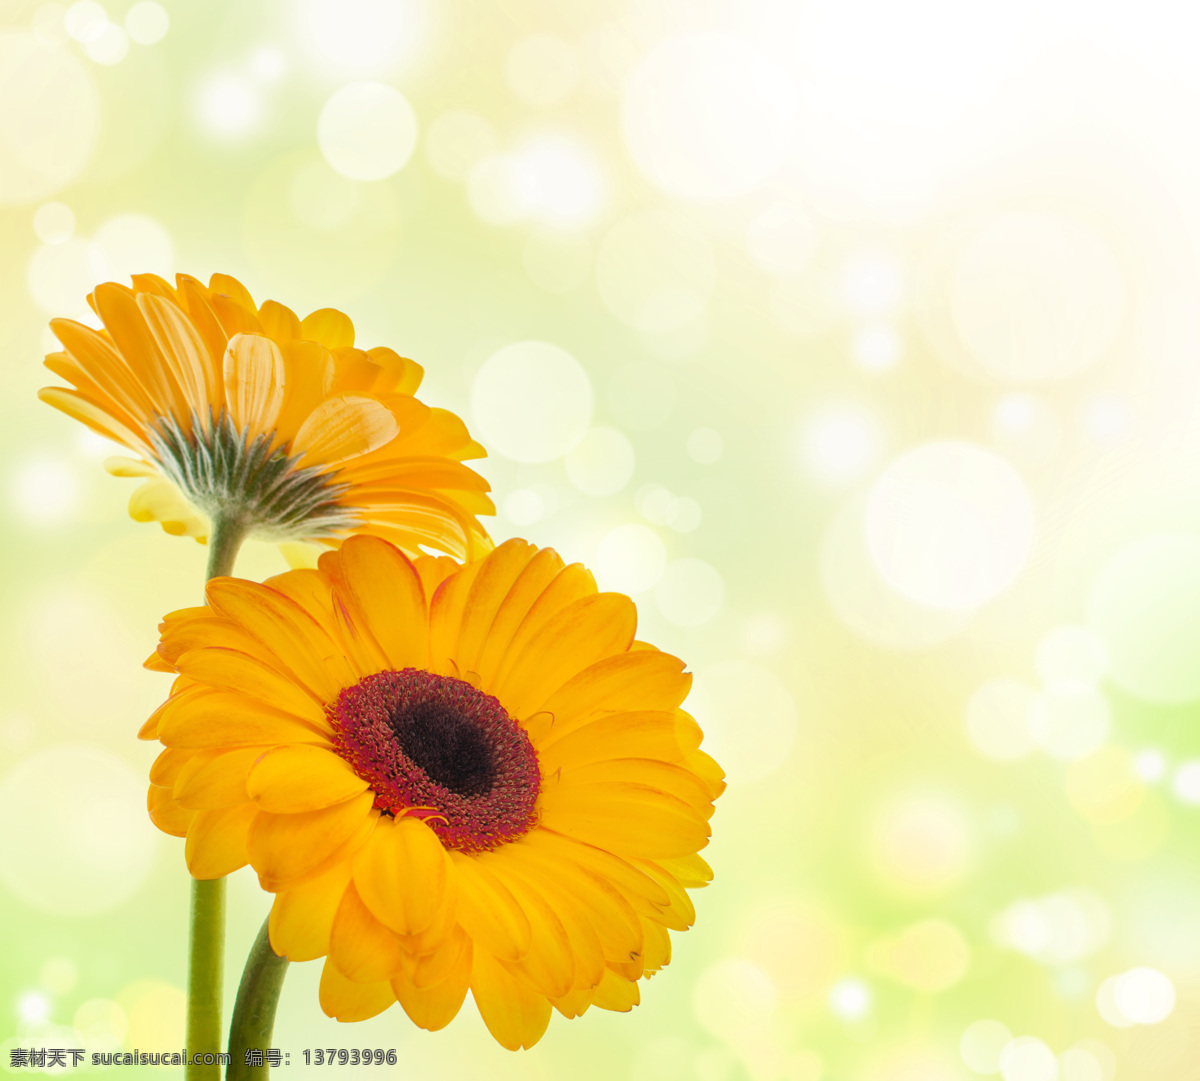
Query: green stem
x,y
206,940
254,1011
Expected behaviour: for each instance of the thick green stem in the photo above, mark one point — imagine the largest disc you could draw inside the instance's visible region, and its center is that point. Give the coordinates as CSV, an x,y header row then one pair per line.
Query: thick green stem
x,y
206,942
254,1011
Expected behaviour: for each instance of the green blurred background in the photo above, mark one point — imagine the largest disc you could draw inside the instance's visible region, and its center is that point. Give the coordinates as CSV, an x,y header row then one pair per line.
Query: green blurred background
x,y
864,355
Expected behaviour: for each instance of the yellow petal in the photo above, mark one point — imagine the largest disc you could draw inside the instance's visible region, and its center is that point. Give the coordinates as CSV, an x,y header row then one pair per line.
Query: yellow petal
x,y
343,427
300,777
515,1014
166,814
673,779
690,871
328,326
402,874
230,670
206,718
302,916
656,946
488,911
88,412
549,965
583,633
628,819
279,322
642,889
346,1000
434,1005
285,847
362,948
216,841
530,584
445,617
229,286
167,765
570,585
662,734
158,500
254,383
488,592
385,589
288,630
680,914
615,993
398,374
641,680
215,778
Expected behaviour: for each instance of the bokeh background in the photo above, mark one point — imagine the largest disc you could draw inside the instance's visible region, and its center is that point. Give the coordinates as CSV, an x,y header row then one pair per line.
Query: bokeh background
x,y
857,339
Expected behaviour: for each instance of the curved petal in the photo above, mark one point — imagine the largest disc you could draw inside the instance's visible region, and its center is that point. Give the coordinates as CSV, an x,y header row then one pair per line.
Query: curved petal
x,y
254,378
346,1000
434,1005
515,1014
362,948
216,841
488,911
403,875
300,777
286,847
302,916
385,589
344,427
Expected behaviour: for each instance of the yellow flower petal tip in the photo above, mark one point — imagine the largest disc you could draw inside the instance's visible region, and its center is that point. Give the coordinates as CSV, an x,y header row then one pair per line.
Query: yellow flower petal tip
x,y
254,414
452,777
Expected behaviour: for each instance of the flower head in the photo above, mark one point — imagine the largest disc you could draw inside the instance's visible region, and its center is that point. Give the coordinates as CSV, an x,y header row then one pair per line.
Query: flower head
x,y
277,423
450,777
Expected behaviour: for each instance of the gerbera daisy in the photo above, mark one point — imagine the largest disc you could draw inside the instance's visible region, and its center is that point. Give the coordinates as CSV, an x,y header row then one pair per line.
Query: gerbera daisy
x,y
450,777
250,418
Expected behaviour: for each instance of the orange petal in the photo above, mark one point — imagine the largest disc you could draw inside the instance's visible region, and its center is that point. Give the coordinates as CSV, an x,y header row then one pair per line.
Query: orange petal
x,y
346,1000
300,777
254,383
638,680
204,718
230,670
166,814
215,778
488,592
216,841
184,350
279,321
343,427
88,412
515,1014
402,874
529,585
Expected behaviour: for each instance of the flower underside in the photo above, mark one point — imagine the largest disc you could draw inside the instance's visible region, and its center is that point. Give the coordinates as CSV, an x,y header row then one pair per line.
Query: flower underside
x,y
436,748
227,474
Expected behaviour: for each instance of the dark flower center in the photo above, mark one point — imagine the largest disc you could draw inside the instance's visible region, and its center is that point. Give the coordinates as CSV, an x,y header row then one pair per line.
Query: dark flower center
x,y
437,748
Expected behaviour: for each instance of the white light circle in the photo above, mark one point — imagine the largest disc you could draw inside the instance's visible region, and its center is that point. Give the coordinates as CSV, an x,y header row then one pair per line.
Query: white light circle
x,y
54,223
361,37
88,808
999,719
560,180
45,491
1106,1004
706,117
134,244
877,348
733,998
1079,1064
147,22
268,64
532,401
85,20
949,525
1028,1059
850,999
981,1045
690,592
655,271
601,463
1145,996
50,120
782,239
630,558
1036,297
109,47
1151,766
524,506
1070,722
543,70
872,284
498,191
867,604
1145,607
748,717
457,141
841,445
229,105
557,260
1186,782
59,276
367,131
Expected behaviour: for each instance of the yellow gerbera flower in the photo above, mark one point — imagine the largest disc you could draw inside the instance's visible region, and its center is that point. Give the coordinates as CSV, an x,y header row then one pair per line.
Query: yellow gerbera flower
x,y
278,425
450,777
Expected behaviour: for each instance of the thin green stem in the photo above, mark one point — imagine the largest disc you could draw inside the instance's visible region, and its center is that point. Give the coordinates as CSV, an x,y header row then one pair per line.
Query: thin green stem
x,y
254,1011
206,939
